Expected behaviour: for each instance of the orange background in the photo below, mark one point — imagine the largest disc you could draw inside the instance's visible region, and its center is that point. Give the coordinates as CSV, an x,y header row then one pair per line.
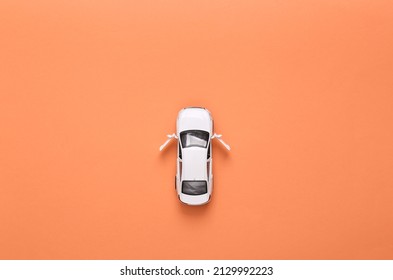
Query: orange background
x,y
301,90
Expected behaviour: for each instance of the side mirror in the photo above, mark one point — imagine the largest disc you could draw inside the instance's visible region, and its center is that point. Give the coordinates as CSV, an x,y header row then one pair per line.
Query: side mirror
x,y
218,137
170,137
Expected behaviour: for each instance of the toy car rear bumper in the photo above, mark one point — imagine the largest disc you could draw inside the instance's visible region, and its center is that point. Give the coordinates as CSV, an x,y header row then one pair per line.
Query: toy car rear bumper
x,y
194,199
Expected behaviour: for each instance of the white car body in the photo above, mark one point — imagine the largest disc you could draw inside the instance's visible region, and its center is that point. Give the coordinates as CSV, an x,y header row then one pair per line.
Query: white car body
x,y
194,177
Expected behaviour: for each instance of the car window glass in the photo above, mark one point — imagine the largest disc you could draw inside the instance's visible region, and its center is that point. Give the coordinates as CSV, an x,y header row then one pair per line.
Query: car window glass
x,y
194,187
194,138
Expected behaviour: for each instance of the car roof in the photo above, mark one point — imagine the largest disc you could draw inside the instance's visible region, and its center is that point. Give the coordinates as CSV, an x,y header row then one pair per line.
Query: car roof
x,y
194,161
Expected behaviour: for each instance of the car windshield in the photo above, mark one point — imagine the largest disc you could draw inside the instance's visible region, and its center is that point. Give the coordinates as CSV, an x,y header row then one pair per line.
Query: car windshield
x,y
194,187
194,138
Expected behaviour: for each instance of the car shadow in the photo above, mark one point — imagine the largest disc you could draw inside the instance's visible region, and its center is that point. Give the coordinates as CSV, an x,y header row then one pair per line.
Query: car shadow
x,y
194,211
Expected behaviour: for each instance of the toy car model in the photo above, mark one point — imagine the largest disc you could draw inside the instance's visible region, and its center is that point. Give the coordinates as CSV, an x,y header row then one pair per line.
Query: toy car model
x,y
194,178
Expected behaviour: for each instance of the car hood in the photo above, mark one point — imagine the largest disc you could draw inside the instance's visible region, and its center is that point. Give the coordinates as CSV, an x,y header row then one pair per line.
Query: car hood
x,y
194,164
194,118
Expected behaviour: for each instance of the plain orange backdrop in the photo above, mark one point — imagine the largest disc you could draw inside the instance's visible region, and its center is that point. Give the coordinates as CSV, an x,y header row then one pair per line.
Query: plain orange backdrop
x,y
301,90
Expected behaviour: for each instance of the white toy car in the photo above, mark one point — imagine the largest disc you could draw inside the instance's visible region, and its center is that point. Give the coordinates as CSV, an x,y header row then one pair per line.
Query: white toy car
x,y
194,178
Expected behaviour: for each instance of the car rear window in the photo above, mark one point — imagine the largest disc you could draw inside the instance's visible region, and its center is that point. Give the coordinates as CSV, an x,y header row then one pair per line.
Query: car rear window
x,y
194,187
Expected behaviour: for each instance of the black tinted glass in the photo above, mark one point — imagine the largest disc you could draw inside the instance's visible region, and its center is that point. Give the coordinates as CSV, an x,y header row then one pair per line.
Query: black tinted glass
x,y
194,138
194,187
